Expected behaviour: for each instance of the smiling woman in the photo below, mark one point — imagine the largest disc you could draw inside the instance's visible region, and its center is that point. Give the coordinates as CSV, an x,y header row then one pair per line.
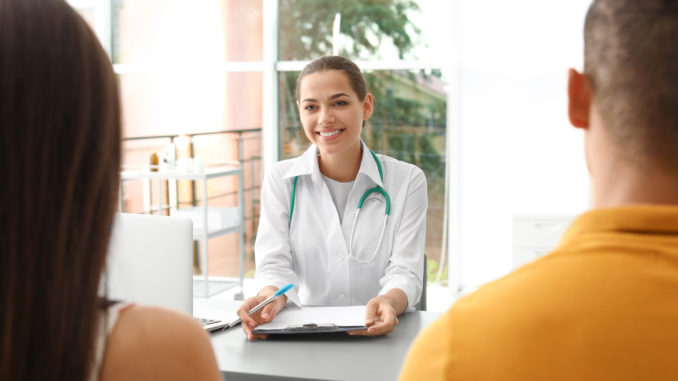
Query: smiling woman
x,y
332,114
309,231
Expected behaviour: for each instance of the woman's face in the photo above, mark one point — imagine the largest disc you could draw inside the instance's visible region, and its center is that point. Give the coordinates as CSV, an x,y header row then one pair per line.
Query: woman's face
x,y
330,111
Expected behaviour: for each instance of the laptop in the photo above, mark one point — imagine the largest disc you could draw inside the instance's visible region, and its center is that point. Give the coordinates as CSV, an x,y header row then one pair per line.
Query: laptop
x,y
150,261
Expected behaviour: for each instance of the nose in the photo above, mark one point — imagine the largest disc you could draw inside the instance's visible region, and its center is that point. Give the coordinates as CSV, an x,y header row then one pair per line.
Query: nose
x,y
326,116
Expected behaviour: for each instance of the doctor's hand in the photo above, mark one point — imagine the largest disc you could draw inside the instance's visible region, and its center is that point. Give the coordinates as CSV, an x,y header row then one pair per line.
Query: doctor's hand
x,y
264,315
382,313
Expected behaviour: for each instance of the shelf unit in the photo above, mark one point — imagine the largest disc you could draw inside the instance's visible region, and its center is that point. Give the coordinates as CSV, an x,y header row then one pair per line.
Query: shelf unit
x,y
199,214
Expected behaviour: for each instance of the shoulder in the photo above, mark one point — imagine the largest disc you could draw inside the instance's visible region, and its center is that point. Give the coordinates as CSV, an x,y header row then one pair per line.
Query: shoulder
x,y
155,343
544,293
278,172
429,355
402,169
283,166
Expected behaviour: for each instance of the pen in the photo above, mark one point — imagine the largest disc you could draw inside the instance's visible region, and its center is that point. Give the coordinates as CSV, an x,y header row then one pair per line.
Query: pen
x,y
262,304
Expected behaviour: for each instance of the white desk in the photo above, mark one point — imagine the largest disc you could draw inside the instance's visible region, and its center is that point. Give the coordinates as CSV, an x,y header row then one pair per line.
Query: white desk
x,y
310,358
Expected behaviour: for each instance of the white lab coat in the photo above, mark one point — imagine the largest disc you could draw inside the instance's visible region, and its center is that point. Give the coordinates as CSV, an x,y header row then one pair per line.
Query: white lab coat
x,y
312,251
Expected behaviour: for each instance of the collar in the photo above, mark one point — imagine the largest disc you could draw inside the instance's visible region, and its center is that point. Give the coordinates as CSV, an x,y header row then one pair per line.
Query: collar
x,y
639,219
307,164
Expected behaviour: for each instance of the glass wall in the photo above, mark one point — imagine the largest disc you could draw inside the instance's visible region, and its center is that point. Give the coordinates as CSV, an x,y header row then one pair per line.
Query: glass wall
x,y
472,92
191,72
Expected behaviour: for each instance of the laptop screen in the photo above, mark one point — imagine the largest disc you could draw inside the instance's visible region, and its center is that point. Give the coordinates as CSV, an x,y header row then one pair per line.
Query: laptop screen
x,y
150,261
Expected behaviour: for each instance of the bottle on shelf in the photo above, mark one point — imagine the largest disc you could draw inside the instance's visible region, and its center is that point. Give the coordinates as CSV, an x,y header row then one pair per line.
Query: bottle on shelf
x,y
154,162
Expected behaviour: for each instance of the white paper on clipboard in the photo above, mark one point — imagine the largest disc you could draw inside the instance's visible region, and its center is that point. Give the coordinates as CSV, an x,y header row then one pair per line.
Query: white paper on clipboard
x,y
297,318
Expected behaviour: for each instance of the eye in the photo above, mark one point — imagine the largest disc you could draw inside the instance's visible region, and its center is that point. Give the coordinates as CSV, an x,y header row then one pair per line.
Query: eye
x,y
309,107
341,103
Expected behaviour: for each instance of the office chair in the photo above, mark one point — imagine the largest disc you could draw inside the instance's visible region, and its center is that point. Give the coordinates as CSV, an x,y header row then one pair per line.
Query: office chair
x,y
421,306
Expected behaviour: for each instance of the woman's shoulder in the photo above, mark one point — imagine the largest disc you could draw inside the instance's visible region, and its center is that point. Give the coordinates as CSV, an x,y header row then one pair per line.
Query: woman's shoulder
x,y
401,168
156,343
284,170
281,167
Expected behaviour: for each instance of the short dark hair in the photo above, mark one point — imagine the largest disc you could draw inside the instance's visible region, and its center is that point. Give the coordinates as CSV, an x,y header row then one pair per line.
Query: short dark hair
x,y
352,71
60,152
631,58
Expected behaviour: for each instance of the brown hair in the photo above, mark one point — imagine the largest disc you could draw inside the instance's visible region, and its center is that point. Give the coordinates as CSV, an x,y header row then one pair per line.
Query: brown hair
x,y
352,71
60,151
631,58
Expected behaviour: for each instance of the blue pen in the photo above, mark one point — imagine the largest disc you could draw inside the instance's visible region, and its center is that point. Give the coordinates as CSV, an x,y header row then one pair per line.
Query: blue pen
x,y
262,304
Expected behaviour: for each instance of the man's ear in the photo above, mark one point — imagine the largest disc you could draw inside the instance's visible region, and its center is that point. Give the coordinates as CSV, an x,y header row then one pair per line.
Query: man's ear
x,y
579,99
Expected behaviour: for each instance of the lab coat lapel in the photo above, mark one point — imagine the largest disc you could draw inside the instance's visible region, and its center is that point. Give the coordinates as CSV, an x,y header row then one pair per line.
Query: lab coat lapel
x,y
308,165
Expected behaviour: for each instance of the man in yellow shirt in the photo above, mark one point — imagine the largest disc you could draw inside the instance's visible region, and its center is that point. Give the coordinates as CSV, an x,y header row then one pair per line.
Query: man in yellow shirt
x,y
604,304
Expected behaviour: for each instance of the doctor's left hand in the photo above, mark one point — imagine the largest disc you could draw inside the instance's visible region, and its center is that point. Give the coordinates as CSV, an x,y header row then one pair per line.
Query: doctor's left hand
x,y
382,314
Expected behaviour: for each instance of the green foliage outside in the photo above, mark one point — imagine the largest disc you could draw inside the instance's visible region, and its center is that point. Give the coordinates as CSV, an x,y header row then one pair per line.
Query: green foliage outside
x,y
432,271
306,27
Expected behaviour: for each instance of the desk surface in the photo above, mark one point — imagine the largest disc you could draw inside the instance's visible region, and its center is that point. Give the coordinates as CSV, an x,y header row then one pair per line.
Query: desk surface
x,y
311,358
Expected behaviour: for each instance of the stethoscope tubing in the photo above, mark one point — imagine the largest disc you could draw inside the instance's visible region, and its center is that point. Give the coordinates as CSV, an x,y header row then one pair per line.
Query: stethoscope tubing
x,y
377,189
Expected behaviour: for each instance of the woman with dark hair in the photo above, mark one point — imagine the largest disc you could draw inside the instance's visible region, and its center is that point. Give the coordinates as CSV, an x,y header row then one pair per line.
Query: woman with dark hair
x,y
343,224
60,149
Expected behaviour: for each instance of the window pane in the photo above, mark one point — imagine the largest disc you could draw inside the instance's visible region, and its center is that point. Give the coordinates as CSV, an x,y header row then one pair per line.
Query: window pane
x,y
379,30
187,102
408,123
167,32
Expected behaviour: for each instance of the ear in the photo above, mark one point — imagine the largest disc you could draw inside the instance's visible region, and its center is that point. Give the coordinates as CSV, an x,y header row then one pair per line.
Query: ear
x,y
368,106
579,99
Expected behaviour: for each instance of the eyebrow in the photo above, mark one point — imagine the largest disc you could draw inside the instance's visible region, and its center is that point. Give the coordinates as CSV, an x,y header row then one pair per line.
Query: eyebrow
x,y
335,96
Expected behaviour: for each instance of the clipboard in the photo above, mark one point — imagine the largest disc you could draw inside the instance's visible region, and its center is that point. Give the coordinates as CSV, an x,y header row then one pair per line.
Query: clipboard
x,y
307,320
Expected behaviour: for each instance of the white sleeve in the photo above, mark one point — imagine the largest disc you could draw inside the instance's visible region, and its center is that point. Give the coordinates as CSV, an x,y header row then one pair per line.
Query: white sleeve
x,y
405,268
272,250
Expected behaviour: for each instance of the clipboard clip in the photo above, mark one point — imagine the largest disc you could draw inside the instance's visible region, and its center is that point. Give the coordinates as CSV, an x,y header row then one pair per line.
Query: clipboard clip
x,y
310,327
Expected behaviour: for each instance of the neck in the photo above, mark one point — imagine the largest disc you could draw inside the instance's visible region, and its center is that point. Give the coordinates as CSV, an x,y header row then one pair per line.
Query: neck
x,y
634,185
342,167
623,178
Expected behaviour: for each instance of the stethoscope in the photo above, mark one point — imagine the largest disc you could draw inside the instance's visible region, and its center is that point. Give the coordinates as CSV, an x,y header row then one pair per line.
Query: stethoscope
x,y
377,189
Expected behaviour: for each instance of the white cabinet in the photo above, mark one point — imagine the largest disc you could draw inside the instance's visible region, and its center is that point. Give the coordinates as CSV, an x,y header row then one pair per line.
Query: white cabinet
x,y
535,235
208,222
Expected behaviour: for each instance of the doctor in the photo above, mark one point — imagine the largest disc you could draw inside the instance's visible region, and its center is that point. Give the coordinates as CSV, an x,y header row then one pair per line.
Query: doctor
x,y
346,226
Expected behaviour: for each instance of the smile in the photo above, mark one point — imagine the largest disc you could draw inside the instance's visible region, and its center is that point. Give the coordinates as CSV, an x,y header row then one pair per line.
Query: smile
x,y
329,133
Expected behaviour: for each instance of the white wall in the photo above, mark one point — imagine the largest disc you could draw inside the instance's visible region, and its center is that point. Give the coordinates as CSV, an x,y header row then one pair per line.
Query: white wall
x,y
517,150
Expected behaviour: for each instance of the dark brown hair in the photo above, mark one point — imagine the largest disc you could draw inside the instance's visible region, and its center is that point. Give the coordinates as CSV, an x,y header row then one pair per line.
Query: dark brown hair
x,y
352,71
631,58
60,153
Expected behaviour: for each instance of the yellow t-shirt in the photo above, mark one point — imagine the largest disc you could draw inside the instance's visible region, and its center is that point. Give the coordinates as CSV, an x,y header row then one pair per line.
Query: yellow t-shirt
x,y
602,306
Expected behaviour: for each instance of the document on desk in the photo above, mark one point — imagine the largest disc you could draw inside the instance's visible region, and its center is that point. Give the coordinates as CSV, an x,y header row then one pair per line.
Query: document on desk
x,y
292,320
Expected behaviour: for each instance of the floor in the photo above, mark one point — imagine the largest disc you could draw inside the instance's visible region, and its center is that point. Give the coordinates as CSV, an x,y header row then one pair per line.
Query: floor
x,y
439,298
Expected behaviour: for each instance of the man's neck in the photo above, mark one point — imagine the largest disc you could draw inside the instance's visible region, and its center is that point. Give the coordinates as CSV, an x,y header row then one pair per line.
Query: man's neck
x,y
633,185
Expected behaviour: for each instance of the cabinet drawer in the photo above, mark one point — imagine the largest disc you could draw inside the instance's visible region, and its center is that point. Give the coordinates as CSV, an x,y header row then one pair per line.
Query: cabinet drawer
x,y
539,231
523,255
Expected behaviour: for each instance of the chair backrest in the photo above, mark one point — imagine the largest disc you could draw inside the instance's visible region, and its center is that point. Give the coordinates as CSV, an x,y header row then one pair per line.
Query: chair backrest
x,y
421,306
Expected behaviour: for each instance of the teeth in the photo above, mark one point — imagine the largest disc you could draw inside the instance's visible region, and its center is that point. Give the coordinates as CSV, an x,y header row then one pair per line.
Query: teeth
x,y
331,133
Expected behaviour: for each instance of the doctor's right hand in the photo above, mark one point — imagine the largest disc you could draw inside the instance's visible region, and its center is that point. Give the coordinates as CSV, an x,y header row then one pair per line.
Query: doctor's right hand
x,y
264,315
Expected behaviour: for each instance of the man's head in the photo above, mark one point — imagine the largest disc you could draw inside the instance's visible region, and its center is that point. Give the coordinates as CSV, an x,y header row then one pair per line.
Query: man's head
x,y
631,74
